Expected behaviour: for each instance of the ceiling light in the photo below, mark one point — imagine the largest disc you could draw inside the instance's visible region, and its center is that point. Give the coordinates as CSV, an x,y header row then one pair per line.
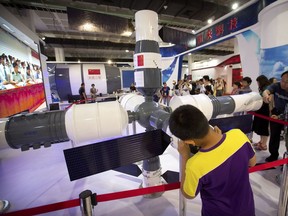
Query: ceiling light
x,y
88,27
43,38
193,31
189,53
127,33
126,50
109,61
235,6
209,21
79,61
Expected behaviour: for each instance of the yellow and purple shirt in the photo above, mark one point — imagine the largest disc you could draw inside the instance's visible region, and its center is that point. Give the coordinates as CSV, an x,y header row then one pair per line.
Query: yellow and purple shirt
x,y
221,176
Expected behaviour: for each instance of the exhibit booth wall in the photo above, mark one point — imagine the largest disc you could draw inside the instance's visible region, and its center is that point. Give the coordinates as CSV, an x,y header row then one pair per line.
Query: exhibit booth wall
x,y
264,47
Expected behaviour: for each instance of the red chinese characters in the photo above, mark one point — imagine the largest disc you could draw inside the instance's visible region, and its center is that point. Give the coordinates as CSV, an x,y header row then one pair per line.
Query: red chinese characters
x,y
199,38
94,72
233,23
209,34
219,29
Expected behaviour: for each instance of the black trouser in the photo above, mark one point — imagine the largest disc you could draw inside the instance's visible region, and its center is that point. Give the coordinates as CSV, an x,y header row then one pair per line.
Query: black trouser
x,y
275,131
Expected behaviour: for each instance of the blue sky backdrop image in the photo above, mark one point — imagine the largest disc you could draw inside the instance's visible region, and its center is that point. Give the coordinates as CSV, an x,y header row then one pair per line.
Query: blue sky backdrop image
x,y
274,61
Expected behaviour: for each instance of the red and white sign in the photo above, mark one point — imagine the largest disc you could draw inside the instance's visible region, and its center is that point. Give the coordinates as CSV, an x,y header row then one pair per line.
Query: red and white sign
x,y
94,72
140,60
34,54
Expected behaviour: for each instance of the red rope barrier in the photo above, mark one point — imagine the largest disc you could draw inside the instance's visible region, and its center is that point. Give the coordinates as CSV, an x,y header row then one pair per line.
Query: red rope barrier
x,y
124,194
268,165
137,192
45,208
268,118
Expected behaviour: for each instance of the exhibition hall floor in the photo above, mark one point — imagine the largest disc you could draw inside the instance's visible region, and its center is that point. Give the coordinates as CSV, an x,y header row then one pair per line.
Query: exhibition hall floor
x,y
39,177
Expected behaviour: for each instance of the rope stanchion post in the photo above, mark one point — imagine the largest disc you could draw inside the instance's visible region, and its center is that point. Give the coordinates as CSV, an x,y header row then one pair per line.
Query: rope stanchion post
x,y
87,202
283,197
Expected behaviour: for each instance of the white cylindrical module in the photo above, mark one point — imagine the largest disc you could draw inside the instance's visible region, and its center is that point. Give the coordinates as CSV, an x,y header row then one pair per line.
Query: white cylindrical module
x,y
201,101
241,103
91,122
247,102
131,101
147,57
146,25
3,141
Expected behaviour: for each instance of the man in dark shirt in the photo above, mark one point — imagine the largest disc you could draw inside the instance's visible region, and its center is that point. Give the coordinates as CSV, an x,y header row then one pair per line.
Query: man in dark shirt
x,y
83,96
280,92
165,93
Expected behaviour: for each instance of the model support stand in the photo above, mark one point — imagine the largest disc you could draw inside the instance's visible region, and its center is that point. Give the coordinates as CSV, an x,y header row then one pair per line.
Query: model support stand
x,y
152,175
151,167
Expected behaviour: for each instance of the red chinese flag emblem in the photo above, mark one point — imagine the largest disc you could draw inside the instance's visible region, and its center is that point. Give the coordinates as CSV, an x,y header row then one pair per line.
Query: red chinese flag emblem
x,y
140,60
93,71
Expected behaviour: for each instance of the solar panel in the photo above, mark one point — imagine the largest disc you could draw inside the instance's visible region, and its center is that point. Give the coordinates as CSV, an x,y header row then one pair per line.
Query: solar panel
x,y
242,122
171,176
99,157
131,169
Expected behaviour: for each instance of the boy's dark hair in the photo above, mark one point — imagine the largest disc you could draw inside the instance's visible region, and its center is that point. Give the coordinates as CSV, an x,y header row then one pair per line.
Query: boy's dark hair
x,y
188,122
248,80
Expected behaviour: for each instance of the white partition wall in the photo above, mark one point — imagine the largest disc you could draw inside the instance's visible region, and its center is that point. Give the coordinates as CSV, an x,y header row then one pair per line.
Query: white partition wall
x,y
249,42
75,78
95,73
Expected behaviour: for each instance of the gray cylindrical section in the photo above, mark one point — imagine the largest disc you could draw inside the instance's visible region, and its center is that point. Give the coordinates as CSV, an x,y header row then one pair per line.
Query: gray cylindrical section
x,y
143,46
152,81
158,118
144,112
222,105
86,203
151,164
34,130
